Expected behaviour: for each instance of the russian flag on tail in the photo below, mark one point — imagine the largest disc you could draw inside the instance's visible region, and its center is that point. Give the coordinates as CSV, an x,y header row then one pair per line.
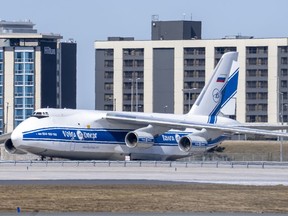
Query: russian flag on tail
x,y
221,79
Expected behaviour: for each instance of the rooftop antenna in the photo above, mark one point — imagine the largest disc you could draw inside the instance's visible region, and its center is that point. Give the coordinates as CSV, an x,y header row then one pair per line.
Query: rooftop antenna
x,y
184,16
155,17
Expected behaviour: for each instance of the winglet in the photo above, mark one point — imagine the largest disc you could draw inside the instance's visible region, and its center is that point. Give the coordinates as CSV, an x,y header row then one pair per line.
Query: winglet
x,y
219,90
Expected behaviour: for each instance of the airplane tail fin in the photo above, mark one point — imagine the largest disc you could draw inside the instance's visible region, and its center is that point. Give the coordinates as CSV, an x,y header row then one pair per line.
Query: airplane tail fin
x,y
220,89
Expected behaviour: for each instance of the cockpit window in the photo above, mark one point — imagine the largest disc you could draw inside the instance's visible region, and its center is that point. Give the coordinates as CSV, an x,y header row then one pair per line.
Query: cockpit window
x,y
40,114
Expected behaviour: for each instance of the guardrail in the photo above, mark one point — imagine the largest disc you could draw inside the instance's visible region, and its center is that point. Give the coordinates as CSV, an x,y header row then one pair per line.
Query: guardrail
x,y
172,164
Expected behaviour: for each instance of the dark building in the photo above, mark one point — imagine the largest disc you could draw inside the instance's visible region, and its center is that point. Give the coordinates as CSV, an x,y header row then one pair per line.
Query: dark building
x,y
176,30
67,74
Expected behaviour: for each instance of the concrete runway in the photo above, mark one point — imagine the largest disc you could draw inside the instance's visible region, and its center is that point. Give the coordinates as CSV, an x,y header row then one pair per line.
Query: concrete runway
x,y
51,173
72,173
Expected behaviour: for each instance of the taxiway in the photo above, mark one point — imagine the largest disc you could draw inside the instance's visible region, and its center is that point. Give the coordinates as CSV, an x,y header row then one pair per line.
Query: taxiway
x,y
73,172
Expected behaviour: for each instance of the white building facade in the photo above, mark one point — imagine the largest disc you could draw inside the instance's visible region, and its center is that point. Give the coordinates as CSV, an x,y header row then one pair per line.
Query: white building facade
x,y
168,75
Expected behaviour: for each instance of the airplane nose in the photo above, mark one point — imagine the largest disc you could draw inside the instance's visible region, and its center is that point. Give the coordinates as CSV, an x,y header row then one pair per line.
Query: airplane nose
x,y
16,137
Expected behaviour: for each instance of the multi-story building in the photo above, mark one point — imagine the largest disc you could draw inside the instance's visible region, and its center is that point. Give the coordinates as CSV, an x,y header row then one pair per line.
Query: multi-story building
x,y
36,70
167,75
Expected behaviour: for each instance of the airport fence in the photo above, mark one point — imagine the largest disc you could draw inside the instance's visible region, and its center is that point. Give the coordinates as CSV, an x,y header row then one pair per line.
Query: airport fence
x,y
236,157
167,164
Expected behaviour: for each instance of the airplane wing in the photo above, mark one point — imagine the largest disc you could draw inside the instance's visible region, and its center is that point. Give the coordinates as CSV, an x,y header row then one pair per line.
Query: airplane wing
x,y
265,126
4,137
173,123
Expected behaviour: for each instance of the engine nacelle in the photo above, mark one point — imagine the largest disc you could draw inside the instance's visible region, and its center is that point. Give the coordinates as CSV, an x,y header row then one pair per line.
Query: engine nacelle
x,y
187,143
10,148
139,139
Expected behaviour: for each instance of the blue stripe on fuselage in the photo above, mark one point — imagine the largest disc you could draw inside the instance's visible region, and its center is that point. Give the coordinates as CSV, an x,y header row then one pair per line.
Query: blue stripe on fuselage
x,y
103,136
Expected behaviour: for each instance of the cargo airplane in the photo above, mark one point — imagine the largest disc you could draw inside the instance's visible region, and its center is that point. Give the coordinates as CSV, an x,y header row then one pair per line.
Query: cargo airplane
x,y
112,135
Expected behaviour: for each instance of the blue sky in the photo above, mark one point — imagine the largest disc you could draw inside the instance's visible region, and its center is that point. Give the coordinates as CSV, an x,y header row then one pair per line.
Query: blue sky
x,y
89,20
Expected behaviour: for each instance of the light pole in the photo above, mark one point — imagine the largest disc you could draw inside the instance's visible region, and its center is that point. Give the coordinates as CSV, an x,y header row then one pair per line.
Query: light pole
x,y
281,115
132,94
136,80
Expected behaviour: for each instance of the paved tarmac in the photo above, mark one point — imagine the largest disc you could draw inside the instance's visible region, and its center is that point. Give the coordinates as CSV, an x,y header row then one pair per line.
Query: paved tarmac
x,y
72,173
82,174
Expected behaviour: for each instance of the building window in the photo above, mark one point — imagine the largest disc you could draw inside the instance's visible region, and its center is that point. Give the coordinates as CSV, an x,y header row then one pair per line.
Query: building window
x,y
284,60
284,83
126,97
284,49
222,50
251,107
18,80
284,72
108,63
194,85
127,85
24,91
262,84
251,96
251,61
262,118
200,62
257,73
128,63
19,103
262,107
108,52
108,97
19,57
251,73
139,74
257,50
262,95
139,63
251,84
194,62
188,62
262,61
19,91
194,51
126,107
133,52
108,107
256,118
133,63
18,68
127,74
108,75
131,74
108,86
263,73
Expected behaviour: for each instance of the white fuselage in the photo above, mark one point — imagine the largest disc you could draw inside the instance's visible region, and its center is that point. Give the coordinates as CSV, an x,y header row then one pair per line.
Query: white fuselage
x,y
86,135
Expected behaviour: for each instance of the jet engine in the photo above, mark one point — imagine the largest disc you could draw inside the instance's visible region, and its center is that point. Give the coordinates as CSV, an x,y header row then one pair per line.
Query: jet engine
x,y
186,143
139,139
10,148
